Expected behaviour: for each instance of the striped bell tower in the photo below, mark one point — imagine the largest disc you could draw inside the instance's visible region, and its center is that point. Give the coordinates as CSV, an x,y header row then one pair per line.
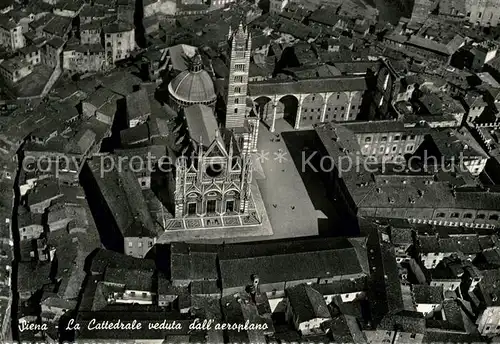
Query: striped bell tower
x,y
241,45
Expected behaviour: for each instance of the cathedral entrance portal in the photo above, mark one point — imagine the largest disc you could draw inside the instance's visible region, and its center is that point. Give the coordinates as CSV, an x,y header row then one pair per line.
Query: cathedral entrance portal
x,y
229,206
192,208
211,204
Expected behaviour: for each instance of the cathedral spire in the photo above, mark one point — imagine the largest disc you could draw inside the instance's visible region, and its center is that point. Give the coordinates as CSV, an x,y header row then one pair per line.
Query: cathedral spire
x,y
231,147
200,158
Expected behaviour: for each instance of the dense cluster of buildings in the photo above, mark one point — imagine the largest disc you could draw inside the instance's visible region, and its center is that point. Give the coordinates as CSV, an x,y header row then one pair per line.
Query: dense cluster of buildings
x,y
131,130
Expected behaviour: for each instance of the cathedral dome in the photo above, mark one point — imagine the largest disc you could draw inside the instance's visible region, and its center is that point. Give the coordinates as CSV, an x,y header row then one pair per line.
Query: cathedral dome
x,y
193,86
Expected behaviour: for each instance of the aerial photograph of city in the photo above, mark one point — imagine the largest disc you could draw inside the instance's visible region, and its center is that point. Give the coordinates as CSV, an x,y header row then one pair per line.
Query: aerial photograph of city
x,y
249,171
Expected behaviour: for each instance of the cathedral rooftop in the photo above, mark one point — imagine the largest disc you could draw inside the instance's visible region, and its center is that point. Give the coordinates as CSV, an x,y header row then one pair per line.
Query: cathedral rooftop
x,y
193,85
201,123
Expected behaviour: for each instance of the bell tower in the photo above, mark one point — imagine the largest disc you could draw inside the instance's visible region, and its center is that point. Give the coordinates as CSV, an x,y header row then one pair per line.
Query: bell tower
x,y
241,45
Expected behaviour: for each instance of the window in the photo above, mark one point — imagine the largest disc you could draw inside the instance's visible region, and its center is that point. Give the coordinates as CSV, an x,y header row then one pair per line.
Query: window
x,y
383,139
494,217
368,139
139,244
237,90
468,216
394,148
480,216
238,78
403,138
455,215
412,137
150,244
235,110
413,335
130,244
440,215
239,67
381,149
409,148
396,138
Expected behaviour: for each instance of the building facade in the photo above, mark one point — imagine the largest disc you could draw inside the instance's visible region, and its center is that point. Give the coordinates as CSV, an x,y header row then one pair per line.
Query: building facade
x,y
11,34
119,42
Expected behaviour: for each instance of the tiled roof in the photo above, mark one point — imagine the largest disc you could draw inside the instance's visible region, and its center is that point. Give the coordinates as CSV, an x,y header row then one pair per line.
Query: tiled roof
x,y
318,85
307,303
287,261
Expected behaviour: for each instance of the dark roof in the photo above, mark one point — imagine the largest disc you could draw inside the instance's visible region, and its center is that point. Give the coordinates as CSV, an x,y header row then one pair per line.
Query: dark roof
x,y
440,336
318,85
341,286
307,303
326,16
138,104
423,293
345,329
287,261
467,244
102,259
56,42
490,286
407,321
429,44
193,262
124,197
117,27
58,25
401,236
133,279
201,123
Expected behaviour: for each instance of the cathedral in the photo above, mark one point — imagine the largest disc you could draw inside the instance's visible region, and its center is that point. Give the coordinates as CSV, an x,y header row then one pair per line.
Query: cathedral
x,y
211,183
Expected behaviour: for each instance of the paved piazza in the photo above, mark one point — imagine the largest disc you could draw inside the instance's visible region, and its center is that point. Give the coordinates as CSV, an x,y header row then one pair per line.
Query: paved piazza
x,y
287,201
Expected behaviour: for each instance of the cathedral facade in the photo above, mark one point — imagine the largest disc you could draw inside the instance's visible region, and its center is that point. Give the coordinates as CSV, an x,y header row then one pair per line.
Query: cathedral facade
x,y
214,178
211,185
